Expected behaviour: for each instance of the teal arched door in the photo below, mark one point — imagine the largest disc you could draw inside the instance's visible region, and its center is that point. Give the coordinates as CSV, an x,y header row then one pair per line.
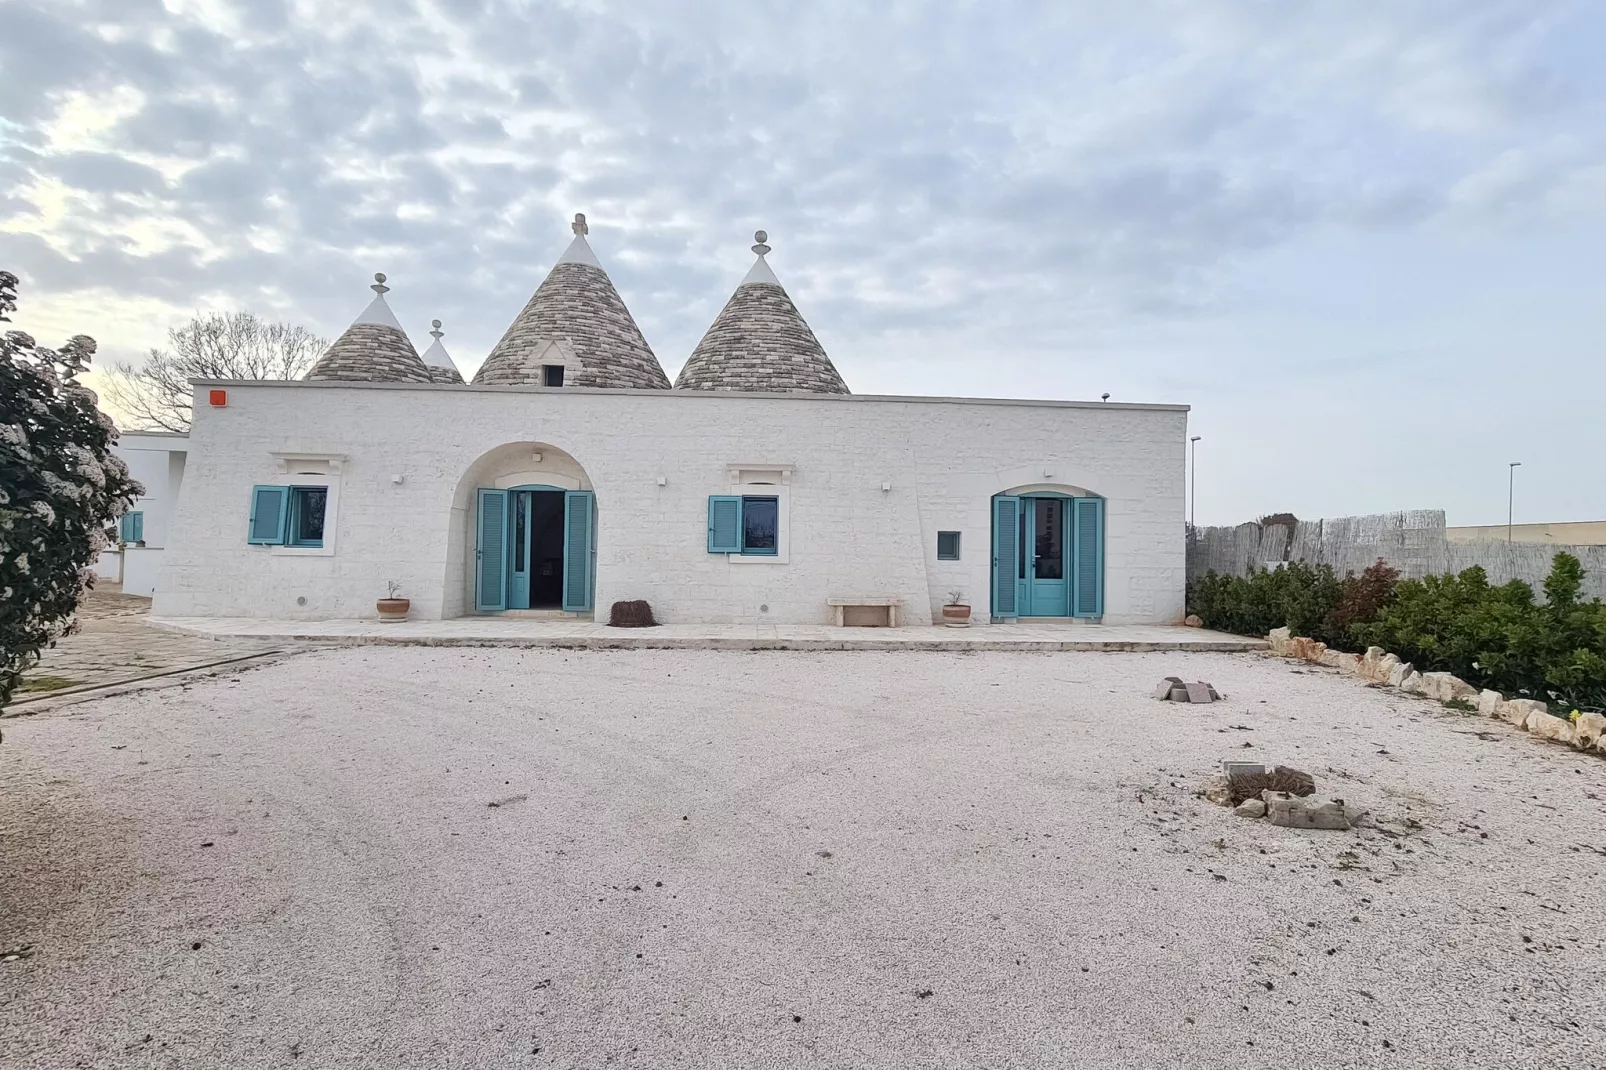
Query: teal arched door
x,y
535,549
1048,556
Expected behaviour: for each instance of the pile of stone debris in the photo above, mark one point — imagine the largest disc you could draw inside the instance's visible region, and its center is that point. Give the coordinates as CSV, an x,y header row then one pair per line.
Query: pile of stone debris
x,y
1172,689
1283,796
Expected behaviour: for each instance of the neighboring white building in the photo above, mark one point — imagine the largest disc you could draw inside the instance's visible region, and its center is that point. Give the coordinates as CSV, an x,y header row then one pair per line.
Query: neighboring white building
x,y
156,459
1566,533
570,475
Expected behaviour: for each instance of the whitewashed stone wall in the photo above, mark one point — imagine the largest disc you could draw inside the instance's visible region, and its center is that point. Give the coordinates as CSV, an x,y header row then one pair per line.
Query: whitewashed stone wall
x,y
944,460
1413,541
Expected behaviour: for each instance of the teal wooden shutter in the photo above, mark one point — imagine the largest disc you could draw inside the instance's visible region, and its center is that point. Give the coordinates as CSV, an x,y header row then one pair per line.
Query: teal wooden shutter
x,y
132,527
138,527
1087,557
490,556
578,549
724,524
1006,555
270,515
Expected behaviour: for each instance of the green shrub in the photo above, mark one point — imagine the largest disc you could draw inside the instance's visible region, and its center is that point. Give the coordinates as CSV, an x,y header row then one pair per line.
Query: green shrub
x,y
1298,596
1491,636
60,489
1499,636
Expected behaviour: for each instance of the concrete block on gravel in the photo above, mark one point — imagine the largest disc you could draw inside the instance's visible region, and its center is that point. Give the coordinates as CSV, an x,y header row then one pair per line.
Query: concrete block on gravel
x,y
1489,702
1216,790
1290,811
1251,808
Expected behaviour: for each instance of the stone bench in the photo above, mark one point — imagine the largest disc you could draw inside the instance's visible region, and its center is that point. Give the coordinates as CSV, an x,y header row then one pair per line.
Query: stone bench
x,y
882,611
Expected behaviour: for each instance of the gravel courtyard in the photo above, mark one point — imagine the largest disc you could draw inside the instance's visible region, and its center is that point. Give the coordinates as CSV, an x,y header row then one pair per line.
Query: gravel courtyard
x,y
407,857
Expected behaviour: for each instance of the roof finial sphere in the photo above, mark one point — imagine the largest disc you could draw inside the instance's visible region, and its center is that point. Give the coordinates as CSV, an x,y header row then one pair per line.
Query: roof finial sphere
x,y
761,237
435,330
379,286
579,224
434,323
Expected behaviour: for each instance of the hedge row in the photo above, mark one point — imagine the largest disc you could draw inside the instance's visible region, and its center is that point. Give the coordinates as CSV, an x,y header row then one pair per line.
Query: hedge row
x,y
1499,637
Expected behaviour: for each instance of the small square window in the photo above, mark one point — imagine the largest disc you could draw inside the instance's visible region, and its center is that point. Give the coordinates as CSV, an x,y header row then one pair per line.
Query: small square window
x,y
551,375
760,526
307,505
947,546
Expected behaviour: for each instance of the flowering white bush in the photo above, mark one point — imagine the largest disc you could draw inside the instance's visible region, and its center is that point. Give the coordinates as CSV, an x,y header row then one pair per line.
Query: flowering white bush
x,y
61,488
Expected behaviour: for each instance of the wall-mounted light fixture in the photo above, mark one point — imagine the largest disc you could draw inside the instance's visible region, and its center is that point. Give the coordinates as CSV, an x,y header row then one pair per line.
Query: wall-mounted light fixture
x,y
398,479
662,481
886,487
536,456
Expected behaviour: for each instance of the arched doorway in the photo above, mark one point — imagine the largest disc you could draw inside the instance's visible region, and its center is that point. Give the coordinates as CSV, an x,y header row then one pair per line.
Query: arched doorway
x,y
1048,553
527,530
536,548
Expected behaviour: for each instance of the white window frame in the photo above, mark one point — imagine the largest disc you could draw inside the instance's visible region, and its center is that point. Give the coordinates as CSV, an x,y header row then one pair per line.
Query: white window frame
x,y
766,481
311,470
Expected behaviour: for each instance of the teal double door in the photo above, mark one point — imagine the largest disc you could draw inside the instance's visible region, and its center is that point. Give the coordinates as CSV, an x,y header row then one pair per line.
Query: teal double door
x,y
1048,556
535,549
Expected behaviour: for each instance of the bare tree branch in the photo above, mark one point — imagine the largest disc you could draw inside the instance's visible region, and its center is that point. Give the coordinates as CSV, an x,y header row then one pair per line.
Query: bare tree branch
x,y
236,345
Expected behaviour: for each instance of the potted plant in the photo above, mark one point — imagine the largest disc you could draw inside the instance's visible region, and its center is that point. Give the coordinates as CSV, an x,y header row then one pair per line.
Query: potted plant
x,y
391,608
956,614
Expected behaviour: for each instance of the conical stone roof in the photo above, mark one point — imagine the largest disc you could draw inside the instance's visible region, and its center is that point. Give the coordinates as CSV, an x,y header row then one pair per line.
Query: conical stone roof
x,y
438,361
374,349
577,319
760,342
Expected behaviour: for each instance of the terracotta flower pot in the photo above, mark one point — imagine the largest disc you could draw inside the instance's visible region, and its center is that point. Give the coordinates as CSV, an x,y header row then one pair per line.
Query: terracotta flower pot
x,y
393,609
955,616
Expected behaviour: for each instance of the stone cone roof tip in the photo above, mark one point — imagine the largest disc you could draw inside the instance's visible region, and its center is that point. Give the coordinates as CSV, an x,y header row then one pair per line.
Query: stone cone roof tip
x,y
760,342
374,349
437,360
576,307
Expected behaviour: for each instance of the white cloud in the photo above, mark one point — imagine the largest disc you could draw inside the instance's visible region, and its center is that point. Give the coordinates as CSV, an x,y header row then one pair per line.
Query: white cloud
x,y
1042,187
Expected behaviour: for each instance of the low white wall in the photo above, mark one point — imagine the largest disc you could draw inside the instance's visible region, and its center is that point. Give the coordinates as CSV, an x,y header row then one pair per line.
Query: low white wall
x,y
942,460
108,565
142,566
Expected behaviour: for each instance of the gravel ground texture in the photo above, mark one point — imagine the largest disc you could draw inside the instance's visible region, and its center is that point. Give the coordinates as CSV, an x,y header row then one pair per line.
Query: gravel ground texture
x,y
459,858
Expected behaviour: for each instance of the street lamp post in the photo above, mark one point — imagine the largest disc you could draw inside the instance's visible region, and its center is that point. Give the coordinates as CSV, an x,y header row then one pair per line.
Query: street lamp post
x,y
1511,495
1193,504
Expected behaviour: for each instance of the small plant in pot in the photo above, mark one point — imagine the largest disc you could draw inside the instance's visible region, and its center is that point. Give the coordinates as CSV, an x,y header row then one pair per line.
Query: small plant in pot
x,y
391,608
956,614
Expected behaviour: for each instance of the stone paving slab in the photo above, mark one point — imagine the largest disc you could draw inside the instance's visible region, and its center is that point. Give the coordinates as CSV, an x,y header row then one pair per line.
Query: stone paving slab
x,y
579,634
114,645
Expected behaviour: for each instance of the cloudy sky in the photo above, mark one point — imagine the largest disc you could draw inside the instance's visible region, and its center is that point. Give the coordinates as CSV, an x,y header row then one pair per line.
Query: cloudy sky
x,y
1362,238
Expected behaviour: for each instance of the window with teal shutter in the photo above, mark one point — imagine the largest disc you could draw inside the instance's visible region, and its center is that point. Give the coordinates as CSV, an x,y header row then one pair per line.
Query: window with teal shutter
x,y
132,527
270,515
490,551
307,506
579,548
761,526
947,546
1087,531
1007,556
724,524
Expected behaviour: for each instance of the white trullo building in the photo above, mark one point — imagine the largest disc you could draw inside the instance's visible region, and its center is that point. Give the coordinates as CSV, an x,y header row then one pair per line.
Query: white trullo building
x,y
570,474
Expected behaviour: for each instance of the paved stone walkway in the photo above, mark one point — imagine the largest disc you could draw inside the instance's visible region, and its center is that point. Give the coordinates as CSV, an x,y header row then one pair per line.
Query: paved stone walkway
x,y
585,634
114,644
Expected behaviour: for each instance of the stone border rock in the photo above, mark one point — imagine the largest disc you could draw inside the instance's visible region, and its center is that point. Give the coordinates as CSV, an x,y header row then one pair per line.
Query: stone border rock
x,y
1588,733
